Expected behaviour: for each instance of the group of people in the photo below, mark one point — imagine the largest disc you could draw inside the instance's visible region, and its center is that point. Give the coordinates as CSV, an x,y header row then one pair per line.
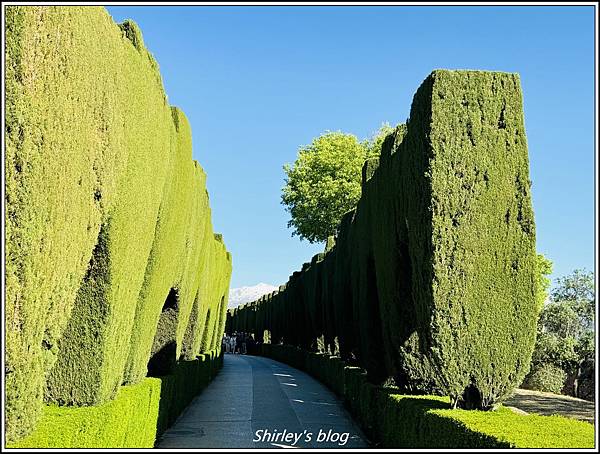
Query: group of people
x,y
241,343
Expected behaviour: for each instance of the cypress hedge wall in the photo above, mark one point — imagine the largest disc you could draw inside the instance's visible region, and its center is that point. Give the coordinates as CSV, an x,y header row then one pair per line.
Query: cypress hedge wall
x,y
432,277
111,261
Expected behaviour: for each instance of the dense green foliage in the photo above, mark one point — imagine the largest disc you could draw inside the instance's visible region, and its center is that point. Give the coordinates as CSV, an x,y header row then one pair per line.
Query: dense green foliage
x,y
577,289
544,270
106,213
324,182
530,431
565,335
434,278
137,416
546,377
392,420
127,421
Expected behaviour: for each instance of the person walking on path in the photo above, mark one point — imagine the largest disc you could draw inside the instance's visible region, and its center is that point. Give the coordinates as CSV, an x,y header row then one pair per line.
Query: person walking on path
x,y
244,343
225,343
232,342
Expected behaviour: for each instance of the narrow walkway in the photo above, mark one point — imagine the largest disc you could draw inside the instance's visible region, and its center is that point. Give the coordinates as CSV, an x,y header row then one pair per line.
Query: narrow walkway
x,y
255,402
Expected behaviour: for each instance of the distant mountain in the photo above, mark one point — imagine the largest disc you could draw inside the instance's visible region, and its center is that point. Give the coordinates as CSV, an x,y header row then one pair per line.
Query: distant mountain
x,y
243,295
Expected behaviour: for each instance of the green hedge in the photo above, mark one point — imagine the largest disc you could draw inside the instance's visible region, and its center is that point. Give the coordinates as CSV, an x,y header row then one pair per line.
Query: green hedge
x,y
183,207
432,279
106,215
400,421
61,174
138,415
186,382
475,299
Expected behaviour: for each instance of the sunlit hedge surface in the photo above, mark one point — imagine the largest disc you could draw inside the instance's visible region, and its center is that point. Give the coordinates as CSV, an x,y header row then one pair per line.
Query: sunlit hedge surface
x,y
107,215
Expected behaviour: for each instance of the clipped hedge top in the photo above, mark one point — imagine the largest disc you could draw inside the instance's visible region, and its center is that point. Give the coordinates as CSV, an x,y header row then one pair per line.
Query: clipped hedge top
x,y
517,431
526,431
129,420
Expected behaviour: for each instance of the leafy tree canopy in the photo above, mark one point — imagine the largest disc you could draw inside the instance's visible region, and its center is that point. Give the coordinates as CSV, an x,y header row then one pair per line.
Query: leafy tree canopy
x,y
560,319
577,290
565,328
325,181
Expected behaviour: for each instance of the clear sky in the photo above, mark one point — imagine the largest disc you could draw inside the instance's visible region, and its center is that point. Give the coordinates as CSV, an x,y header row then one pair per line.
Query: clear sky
x,y
258,82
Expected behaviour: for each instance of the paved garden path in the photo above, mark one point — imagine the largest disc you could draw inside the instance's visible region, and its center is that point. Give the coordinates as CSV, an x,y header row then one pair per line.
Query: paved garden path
x,y
549,404
255,402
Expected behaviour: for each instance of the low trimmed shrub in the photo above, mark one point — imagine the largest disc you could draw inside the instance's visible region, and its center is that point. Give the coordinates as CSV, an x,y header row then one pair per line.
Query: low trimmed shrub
x,y
523,431
548,378
391,420
127,421
134,419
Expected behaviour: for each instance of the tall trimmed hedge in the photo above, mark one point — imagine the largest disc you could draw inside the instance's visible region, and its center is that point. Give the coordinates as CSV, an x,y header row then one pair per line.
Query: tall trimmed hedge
x,y
106,215
433,276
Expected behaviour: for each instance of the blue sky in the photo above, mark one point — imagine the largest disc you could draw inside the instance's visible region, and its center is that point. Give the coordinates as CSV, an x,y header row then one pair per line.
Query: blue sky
x,y
258,82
